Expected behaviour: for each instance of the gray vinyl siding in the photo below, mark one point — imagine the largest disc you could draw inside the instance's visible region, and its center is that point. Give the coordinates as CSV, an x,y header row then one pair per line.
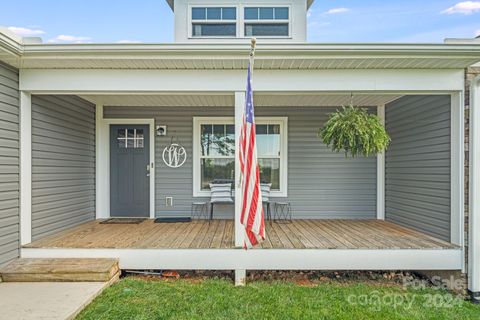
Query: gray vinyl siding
x,y
63,163
321,184
418,164
9,165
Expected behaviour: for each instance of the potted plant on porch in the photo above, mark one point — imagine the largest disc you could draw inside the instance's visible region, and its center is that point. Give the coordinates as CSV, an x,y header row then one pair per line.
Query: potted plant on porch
x,y
354,131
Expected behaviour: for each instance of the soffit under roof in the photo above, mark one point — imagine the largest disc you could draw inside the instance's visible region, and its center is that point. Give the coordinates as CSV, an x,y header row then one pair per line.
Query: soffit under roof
x,y
227,100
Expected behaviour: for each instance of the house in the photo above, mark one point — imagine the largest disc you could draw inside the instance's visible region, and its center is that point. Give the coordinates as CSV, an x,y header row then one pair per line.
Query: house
x,y
86,131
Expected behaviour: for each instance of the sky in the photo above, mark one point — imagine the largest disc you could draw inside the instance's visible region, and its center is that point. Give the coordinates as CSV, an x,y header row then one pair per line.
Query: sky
x,y
107,21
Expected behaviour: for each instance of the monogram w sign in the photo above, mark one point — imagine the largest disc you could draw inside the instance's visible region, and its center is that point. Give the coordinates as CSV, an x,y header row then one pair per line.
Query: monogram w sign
x,y
174,155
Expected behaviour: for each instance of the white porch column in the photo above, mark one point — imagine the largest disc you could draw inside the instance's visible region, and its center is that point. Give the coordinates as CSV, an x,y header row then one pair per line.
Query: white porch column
x,y
474,196
25,167
381,172
457,185
239,105
102,197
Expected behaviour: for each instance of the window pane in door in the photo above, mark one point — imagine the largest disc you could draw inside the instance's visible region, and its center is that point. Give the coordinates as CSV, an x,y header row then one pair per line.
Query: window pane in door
x,y
122,143
139,143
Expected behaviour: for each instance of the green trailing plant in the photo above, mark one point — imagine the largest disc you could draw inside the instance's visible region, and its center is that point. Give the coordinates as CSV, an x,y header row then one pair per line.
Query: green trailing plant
x,y
354,131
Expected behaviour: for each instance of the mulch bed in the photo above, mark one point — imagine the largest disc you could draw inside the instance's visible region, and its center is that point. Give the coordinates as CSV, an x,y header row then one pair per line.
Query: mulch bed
x,y
305,278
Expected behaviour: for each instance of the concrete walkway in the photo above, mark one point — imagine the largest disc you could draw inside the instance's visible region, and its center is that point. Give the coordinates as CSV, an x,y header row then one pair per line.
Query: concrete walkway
x,y
46,300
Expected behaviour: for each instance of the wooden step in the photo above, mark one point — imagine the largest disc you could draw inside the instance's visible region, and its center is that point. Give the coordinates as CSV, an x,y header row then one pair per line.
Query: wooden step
x,y
66,270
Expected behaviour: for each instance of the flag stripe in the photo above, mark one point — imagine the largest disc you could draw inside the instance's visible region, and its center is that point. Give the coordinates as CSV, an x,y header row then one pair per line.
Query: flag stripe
x,y
252,215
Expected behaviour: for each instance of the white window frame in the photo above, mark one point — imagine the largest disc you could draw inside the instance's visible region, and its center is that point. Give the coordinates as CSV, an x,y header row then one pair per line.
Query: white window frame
x,y
281,121
190,21
266,21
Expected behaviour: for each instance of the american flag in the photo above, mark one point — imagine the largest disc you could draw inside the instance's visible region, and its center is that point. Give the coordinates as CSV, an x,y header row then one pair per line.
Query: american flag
x,y
252,216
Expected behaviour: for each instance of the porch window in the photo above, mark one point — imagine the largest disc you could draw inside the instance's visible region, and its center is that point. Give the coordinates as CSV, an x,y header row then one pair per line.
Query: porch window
x,y
266,21
214,21
214,152
217,156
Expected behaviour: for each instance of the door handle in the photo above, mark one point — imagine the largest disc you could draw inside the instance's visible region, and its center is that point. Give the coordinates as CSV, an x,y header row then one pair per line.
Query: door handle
x,y
148,170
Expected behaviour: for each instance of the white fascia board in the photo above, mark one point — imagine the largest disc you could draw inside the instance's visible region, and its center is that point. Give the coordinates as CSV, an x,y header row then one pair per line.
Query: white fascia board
x,y
10,49
154,81
237,50
399,49
266,259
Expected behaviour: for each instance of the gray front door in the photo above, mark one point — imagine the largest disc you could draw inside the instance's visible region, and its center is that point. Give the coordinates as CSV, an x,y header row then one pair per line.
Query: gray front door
x,y
129,171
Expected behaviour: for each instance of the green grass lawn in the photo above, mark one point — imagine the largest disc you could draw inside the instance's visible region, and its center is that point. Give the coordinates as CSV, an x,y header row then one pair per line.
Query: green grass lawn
x,y
135,298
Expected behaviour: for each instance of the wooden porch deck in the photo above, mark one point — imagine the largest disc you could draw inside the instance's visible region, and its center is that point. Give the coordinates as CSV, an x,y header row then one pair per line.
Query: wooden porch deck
x,y
219,234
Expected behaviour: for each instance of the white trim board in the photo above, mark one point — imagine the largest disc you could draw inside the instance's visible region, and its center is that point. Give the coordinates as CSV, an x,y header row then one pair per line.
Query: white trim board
x,y
266,259
149,81
25,125
103,162
381,172
457,155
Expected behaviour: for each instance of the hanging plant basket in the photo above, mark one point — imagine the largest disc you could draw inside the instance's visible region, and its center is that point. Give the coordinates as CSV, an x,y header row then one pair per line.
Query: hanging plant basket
x,y
354,131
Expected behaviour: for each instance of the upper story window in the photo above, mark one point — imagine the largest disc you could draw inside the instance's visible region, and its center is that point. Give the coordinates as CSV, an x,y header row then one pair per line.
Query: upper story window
x,y
214,22
266,21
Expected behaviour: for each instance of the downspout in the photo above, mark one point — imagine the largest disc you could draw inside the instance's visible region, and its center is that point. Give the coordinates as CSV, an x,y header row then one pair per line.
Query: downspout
x,y
474,193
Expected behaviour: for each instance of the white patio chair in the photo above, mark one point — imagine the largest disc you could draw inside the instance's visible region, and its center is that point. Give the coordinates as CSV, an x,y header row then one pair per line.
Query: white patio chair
x,y
220,193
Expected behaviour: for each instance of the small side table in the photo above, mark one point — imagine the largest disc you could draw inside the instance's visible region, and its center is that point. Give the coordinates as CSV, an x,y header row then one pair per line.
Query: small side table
x,y
199,210
282,212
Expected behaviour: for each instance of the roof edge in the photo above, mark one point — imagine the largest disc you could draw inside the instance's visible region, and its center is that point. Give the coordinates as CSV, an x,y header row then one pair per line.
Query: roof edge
x,y
171,4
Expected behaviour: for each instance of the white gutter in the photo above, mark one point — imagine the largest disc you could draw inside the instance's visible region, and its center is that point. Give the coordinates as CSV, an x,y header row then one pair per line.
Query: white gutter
x,y
474,193
241,48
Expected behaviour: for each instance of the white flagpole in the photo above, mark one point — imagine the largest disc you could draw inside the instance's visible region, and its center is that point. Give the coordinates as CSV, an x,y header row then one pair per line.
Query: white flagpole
x,y
253,44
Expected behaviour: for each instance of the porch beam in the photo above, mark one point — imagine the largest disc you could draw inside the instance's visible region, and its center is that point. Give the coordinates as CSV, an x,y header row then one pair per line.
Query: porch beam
x,y
25,167
107,81
268,259
239,105
381,172
474,192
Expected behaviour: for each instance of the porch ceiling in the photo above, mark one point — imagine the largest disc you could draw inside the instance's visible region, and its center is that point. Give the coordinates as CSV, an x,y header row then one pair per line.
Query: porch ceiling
x,y
223,100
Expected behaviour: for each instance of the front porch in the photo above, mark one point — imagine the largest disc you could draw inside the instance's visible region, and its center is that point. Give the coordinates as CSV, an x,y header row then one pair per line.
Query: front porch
x,y
219,234
326,244
400,210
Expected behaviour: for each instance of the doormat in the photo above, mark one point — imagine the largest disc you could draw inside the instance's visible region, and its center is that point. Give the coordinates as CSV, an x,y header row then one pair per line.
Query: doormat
x,y
123,221
172,220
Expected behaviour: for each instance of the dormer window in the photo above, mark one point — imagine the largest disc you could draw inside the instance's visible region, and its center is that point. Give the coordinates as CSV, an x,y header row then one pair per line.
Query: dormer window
x,y
266,21
214,21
